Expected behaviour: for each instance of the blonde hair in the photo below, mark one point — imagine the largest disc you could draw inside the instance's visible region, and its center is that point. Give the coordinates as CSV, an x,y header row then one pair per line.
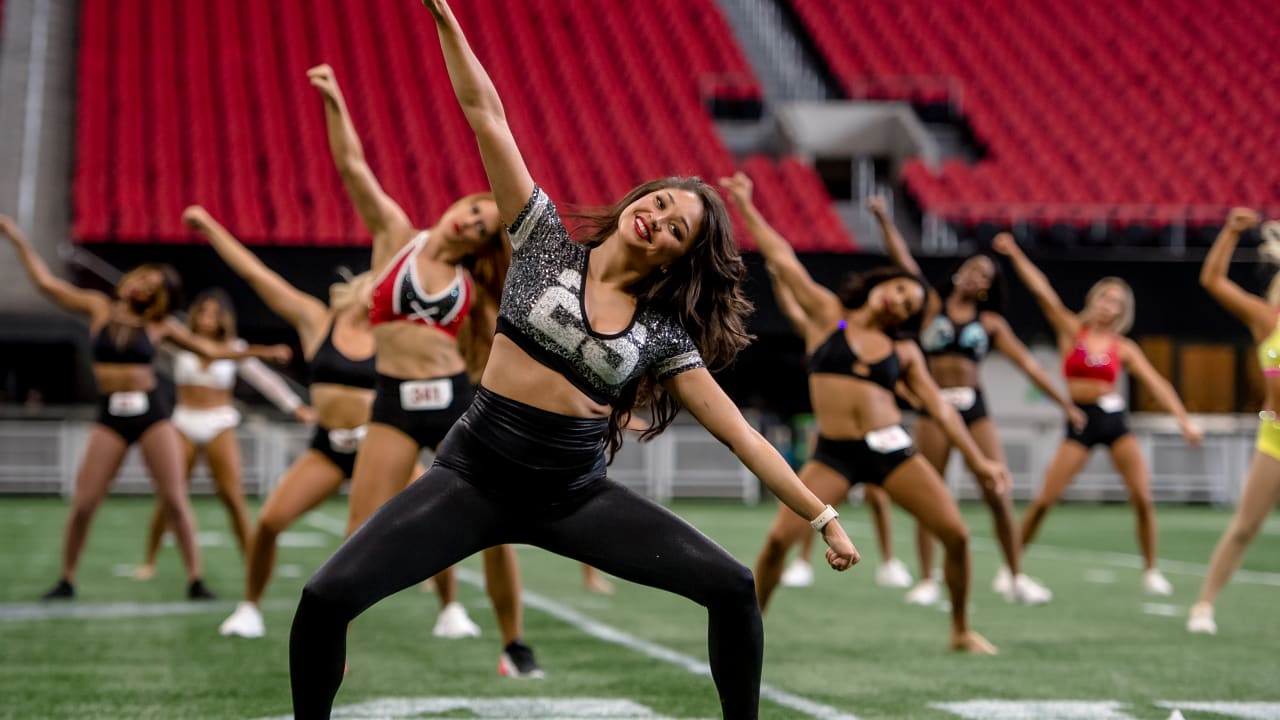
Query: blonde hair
x,y
1269,250
345,294
1125,323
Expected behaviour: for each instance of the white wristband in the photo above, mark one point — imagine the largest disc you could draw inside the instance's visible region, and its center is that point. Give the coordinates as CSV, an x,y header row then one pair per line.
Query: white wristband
x,y
827,515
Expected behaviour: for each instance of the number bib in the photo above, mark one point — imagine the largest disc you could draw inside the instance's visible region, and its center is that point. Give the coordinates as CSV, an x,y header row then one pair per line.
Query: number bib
x,y
347,440
1111,403
426,394
128,404
889,439
960,398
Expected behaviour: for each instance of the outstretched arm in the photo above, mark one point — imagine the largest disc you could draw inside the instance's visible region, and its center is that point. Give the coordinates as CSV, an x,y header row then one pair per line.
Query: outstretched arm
x,y
894,244
1138,365
178,334
1252,310
385,220
305,313
1006,342
88,302
896,247
819,304
991,474
699,392
508,176
1062,319
269,384
787,303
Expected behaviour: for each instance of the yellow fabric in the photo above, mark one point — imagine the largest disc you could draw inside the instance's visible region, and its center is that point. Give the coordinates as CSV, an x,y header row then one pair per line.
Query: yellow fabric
x,y
1269,437
1269,352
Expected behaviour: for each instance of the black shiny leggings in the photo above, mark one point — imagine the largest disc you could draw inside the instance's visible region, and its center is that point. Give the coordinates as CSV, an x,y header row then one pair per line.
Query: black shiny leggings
x,y
463,505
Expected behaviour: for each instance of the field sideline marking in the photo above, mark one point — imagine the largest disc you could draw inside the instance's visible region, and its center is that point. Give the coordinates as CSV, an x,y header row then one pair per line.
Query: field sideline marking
x,y
610,634
1114,559
18,612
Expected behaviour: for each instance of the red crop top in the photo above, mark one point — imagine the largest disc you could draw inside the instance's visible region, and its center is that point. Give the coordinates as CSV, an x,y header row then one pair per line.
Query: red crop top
x,y
397,294
1082,365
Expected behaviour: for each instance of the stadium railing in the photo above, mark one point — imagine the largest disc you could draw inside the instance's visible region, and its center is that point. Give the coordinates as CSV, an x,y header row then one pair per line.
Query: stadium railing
x,y
687,462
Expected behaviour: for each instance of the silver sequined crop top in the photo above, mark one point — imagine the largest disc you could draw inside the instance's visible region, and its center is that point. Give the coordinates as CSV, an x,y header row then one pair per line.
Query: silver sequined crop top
x,y
542,312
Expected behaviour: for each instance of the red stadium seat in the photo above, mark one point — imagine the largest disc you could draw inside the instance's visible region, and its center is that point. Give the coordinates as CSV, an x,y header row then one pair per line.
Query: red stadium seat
x,y
1075,107
206,101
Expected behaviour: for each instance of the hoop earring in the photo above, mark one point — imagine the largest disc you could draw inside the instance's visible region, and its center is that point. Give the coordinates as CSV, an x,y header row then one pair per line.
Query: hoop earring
x,y
982,296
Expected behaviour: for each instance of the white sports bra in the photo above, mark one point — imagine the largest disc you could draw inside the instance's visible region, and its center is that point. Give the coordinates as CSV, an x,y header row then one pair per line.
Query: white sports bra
x,y
189,369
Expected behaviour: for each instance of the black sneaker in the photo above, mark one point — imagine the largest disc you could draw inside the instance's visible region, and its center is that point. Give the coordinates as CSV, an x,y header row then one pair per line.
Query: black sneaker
x,y
517,662
62,591
197,591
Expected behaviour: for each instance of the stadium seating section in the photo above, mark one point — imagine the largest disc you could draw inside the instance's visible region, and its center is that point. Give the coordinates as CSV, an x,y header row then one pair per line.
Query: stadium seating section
x,y
1131,110
206,101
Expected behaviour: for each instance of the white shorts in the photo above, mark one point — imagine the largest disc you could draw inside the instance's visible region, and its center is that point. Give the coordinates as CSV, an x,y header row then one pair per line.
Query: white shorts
x,y
202,425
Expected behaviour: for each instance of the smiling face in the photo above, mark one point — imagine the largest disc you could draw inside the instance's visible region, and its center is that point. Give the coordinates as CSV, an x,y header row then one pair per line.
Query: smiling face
x,y
139,287
1108,305
895,301
471,222
975,276
662,224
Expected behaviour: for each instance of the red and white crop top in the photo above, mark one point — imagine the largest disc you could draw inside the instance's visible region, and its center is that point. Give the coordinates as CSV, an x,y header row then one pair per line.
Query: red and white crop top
x,y
398,295
1080,364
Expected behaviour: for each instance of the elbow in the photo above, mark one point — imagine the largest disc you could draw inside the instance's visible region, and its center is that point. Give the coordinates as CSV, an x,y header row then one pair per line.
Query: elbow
x,y
351,165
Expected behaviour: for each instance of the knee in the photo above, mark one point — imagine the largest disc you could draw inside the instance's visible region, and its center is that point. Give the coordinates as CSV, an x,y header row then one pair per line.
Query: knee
x,y
1043,502
323,599
779,540
1243,532
1142,502
954,538
82,510
271,524
735,586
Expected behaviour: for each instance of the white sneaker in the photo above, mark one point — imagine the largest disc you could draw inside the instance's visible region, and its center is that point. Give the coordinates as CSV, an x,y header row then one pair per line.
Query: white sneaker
x,y
798,574
453,623
926,592
1026,591
245,622
1155,584
893,574
1002,583
1200,620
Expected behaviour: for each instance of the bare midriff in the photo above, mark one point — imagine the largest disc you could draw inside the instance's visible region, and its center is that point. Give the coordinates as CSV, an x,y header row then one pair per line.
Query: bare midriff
x,y
409,351
200,397
848,408
513,374
339,407
124,377
950,371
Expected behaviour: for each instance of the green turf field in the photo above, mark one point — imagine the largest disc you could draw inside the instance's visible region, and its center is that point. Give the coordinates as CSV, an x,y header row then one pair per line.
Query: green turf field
x,y
842,649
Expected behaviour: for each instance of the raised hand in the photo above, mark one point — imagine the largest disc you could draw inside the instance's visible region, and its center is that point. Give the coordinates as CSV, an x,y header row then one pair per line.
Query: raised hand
x,y
322,78
739,187
439,8
1241,219
196,217
877,206
9,228
1005,244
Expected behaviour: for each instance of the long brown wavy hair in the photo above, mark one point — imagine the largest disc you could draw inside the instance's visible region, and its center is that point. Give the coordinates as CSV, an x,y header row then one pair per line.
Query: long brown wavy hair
x,y
702,291
488,267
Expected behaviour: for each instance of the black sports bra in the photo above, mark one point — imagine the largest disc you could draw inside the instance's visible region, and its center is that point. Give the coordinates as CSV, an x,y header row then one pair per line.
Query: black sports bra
x,y
835,357
329,365
123,344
